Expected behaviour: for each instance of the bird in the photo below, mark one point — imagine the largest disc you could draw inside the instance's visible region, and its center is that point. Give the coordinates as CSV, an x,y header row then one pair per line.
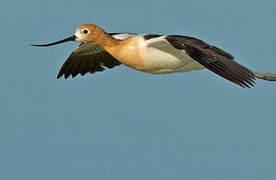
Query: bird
x,y
151,53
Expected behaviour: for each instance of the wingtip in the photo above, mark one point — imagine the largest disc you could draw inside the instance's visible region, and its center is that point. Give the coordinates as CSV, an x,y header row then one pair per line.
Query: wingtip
x,y
59,75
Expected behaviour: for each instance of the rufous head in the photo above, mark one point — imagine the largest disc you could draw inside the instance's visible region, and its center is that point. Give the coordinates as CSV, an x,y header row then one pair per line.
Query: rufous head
x,y
88,33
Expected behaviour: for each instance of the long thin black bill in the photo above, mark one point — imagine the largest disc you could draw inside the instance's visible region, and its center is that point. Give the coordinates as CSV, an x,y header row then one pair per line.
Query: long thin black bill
x,y
72,38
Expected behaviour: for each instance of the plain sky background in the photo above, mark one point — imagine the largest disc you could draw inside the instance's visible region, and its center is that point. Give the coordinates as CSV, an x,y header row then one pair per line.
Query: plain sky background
x,y
127,125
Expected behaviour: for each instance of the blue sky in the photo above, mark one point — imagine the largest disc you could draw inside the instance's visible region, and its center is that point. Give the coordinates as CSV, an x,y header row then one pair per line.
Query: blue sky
x,y
123,124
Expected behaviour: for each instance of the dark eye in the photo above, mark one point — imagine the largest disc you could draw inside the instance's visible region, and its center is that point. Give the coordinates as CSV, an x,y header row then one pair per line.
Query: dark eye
x,y
85,31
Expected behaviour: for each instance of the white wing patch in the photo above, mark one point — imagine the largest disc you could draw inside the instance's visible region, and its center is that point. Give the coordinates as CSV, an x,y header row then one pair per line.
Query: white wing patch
x,y
122,36
161,57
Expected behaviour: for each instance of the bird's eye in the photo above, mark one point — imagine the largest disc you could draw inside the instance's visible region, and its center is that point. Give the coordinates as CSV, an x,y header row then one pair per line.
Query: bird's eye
x,y
85,31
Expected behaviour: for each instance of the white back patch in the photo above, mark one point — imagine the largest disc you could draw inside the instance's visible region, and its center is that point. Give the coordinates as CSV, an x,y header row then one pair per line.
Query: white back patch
x,y
122,36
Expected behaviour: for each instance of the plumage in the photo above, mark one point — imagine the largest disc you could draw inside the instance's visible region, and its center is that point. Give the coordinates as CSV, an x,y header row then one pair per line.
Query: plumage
x,y
151,53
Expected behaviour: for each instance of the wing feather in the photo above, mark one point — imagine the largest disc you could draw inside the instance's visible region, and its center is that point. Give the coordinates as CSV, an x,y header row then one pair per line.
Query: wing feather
x,y
214,59
89,57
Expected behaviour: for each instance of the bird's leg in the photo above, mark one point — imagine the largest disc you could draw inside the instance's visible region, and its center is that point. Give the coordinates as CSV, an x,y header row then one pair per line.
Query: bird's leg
x,y
265,76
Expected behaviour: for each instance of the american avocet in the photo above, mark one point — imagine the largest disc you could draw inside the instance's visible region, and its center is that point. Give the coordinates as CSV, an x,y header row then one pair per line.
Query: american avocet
x,y
151,53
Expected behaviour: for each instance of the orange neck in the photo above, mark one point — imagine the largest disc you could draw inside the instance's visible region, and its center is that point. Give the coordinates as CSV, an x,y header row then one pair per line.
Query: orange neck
x,y
106,41
110,44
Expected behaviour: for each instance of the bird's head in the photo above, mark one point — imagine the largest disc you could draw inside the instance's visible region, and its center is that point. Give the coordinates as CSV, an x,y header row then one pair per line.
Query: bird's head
x,y
88,33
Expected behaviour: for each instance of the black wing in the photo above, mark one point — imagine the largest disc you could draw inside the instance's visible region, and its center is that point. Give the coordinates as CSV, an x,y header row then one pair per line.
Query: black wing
x,y
87,58
214,59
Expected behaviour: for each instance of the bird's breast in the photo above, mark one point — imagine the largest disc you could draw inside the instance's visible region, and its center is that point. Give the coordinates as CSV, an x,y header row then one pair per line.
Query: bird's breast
x,y
128,53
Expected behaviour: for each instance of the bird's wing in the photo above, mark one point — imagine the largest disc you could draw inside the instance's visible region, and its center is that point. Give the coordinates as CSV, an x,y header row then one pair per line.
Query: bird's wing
x,y
214,59
89,57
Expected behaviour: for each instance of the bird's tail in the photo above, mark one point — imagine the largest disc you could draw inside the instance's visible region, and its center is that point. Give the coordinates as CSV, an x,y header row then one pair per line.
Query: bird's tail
x,y
265,76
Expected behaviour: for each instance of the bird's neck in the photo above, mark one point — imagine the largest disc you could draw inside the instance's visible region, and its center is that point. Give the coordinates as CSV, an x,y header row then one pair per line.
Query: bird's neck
x,y
111,45
106,41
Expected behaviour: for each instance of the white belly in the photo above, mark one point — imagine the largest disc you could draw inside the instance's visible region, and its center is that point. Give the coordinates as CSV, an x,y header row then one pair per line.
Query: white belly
x,y
159,57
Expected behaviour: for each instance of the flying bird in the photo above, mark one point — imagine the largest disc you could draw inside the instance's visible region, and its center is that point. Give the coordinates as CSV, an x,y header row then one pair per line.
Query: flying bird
x,y
151,53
